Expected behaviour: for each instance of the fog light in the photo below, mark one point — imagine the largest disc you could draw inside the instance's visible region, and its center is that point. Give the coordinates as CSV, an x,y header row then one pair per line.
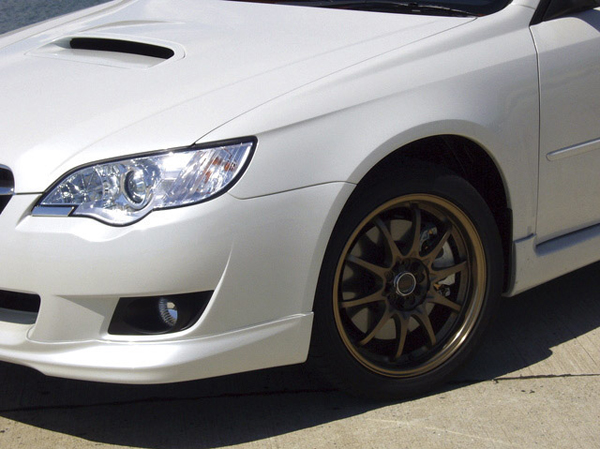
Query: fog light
x,y
158,314
168,311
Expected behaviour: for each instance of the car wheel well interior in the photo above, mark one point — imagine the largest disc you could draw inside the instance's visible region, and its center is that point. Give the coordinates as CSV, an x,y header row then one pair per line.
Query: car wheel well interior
x,y
465,158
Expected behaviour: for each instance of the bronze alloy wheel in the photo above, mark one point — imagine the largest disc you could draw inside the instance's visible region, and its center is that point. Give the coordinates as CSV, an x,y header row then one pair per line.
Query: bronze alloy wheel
x,y
411,277
409,285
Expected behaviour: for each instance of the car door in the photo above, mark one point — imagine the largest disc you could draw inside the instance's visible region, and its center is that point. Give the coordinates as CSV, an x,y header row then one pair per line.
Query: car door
x,y
568,42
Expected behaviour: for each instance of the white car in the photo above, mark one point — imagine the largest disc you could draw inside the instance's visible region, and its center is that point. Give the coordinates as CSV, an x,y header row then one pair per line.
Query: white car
x,y
195,188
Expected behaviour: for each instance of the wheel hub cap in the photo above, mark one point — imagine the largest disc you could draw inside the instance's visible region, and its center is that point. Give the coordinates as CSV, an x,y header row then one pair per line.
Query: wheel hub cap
x,y
405,283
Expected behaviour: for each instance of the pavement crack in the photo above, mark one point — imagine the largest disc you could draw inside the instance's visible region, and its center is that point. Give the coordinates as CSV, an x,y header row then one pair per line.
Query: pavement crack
x,y
510,378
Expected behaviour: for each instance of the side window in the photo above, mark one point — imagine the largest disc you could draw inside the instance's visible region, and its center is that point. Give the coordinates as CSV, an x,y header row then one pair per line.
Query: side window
x,y
558,8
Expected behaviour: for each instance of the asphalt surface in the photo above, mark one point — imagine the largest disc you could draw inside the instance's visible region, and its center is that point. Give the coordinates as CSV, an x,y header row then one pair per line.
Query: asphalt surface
x,y
534,383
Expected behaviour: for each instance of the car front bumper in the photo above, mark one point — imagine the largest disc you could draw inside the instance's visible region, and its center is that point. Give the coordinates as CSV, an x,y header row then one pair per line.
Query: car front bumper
x,y
260,257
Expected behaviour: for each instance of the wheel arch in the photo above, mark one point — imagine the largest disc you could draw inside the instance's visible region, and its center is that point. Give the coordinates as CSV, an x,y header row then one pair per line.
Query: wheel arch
x,y
467,159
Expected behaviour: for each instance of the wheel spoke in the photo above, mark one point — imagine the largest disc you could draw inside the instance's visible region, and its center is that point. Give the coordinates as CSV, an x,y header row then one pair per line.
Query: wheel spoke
x,y
401,332
435,251
436,298
414,245
391,245
370,334
425,323
375,269
375,297
443,273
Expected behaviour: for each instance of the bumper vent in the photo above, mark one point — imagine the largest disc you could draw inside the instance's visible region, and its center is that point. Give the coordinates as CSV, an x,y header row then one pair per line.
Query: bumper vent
x,y
7,187
21,302
19,308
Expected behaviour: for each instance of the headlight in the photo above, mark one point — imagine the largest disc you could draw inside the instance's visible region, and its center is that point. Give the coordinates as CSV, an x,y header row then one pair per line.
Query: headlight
x,y
123,191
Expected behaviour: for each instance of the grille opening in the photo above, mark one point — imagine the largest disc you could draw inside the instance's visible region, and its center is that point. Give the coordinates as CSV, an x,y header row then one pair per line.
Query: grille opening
x,y
6,178
3,202
120,46
7,183
22,302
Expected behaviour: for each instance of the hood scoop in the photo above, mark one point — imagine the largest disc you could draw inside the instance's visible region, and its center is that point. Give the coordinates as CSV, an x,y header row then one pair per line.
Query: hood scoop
x,y
110,51
120,46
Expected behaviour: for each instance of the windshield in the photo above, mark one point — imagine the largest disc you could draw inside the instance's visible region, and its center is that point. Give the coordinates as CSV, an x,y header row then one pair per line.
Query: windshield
x,y
423,7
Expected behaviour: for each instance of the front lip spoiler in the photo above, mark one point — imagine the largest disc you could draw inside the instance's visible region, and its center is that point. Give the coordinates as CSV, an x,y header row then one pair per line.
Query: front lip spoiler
x,y
276,343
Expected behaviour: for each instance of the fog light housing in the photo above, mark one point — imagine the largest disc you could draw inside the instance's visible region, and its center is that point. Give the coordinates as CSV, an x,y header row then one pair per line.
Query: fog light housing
x,y
155,315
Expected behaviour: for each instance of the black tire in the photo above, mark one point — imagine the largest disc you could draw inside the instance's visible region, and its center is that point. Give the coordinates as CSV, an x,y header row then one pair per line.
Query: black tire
x,y
411,277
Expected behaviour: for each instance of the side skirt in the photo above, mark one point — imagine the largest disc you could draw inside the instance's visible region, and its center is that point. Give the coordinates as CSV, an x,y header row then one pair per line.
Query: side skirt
x,y
536,264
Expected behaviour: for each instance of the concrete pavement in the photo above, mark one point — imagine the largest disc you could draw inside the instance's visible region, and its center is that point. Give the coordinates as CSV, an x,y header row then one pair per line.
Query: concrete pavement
x,y
534,383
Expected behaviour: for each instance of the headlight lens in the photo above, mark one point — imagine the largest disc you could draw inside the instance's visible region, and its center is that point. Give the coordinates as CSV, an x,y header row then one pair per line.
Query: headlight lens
x,y
123,191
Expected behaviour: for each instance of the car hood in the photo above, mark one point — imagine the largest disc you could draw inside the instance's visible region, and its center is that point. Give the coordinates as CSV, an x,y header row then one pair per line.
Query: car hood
x,y
195,65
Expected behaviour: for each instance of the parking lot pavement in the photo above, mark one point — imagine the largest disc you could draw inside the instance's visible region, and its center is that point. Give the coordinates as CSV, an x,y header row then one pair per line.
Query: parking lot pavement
x,y
534,383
